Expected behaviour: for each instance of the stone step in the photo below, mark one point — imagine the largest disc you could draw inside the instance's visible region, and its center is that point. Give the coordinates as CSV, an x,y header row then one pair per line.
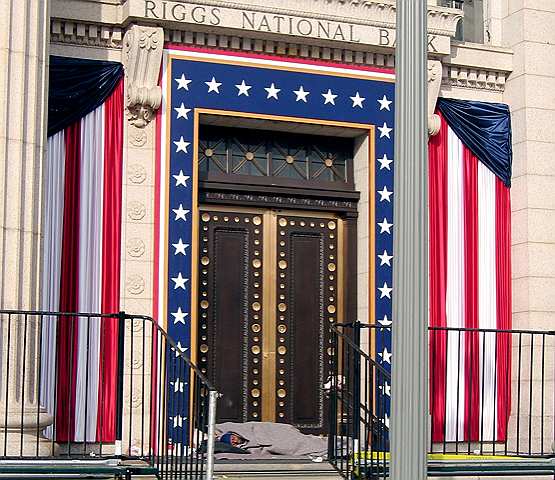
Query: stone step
x,y
299,469
497,477
274,469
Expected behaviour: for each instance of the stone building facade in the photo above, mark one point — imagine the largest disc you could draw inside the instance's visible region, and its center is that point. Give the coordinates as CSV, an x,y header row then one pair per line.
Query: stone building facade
x,y
494,51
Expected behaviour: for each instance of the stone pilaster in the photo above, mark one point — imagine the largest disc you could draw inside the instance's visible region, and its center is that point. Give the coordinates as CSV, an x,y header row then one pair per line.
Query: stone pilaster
x,y
142,56
528,30
24,33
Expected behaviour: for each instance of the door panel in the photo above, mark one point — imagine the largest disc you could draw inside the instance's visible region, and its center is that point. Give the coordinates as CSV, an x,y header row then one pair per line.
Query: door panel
x,y
307,303
230,310
267,294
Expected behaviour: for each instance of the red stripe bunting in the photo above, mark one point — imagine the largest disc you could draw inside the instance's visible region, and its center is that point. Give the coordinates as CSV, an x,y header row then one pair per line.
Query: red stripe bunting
x,y
504,302
69,289
438,276
471,340
111,241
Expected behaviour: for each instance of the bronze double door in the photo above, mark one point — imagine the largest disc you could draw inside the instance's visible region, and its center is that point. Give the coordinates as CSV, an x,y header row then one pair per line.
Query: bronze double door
x,y
269,287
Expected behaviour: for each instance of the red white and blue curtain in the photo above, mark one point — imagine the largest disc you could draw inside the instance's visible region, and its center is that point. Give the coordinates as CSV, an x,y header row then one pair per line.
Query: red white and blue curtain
x,y
82,243
470,271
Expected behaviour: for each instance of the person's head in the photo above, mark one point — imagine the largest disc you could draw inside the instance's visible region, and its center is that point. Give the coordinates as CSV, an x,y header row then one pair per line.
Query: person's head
x,y
232,438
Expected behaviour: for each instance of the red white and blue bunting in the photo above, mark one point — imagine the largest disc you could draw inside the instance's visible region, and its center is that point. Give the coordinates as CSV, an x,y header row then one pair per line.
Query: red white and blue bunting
x,y
470,271
81,251
255,85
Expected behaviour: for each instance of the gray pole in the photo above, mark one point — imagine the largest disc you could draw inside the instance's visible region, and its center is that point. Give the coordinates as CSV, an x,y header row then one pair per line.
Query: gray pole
x,y
409,397
212,403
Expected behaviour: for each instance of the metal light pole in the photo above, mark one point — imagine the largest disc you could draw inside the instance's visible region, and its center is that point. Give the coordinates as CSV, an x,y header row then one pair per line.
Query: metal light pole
x,y
409,398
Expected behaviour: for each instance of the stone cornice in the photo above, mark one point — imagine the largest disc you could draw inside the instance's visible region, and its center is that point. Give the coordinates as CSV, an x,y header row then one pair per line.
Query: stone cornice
x,y
85,34
272,47
362,14
478,67
470,66
474,78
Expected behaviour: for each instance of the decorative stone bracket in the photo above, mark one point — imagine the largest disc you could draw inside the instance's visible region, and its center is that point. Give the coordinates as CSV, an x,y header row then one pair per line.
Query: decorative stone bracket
x,y
142,57
434,84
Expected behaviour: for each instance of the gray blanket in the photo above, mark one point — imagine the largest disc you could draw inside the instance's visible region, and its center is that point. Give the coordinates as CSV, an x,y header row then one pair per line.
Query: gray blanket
x,y
266,439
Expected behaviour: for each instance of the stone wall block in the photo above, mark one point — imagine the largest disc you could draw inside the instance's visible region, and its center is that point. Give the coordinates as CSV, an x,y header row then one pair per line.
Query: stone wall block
x,y
539,122
541,225
138,280
539,158
521,295
137,306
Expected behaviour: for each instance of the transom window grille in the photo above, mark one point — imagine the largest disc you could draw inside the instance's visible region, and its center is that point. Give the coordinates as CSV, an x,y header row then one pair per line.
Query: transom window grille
x,y
242,153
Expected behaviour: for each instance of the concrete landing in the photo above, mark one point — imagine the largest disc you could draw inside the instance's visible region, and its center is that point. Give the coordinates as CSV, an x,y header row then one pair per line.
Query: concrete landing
x,y
274,470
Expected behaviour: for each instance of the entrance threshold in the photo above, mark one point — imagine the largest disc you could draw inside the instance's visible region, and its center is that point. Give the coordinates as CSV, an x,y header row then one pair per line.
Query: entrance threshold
x,y
274,468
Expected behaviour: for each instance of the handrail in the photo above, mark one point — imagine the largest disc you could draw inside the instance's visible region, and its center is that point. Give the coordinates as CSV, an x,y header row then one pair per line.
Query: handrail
x,y
446,328
356,348
163,419
490,396
179,351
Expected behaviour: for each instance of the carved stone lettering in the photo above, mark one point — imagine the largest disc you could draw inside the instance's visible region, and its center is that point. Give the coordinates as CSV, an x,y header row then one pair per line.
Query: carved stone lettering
x,y
368,22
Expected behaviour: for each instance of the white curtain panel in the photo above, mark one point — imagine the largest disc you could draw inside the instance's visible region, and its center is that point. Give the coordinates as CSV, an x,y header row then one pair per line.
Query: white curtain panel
x,y
455,384
487,300
53,211
90,273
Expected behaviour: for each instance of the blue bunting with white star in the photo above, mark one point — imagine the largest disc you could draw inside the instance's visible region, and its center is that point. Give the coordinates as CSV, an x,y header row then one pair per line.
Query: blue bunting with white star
x,y
285,90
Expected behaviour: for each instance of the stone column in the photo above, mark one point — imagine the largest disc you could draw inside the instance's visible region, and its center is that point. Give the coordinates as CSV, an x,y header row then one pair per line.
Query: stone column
x,y
409,397
528,30
24,86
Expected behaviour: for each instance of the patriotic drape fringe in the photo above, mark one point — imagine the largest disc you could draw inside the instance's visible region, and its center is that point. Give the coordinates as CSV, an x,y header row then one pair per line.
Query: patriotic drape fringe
x,y
81,271
469,288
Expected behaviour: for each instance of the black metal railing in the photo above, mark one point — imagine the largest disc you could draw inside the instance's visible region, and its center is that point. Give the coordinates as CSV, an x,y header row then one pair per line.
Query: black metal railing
x,y
492,391
102,387
491,394
359,424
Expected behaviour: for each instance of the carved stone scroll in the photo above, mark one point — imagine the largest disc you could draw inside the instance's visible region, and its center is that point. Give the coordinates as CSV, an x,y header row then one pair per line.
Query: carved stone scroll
x,y
142,56
434,83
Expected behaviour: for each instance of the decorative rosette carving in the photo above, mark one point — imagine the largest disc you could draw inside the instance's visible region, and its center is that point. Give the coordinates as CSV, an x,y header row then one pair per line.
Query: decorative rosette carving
x,y
136,210
135,247
135,284
136,173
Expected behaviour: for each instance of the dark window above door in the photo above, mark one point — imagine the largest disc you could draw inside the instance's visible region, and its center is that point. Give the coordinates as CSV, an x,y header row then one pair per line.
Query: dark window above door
x,y
259,157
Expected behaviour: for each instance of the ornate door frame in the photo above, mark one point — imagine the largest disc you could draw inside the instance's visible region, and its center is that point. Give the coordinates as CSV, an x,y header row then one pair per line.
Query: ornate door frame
x,y
191,89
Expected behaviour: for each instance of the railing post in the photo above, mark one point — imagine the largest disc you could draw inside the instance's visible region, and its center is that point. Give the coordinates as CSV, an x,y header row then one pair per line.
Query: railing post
x,y
212,401
356,392
119,391
332,433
